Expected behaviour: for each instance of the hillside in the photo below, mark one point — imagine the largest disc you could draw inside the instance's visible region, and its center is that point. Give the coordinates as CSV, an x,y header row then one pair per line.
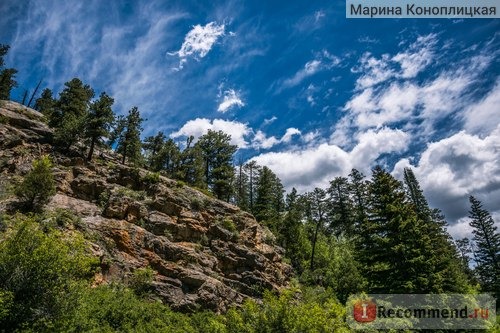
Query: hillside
x,y
205,253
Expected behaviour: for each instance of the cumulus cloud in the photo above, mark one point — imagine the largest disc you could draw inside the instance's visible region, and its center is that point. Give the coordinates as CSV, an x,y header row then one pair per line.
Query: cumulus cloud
x,y
315,166
199,41
200,126
231,99
241,134
453,168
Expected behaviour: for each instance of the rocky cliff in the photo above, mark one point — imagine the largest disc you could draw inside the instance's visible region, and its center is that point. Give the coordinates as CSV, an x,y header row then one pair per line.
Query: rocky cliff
x,y
205,253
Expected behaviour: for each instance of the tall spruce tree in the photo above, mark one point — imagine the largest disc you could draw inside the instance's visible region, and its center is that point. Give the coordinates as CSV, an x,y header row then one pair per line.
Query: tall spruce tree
x,y
217,154
252,169
46,103
487,244
153,146
340,208
190,169
99,121
448,273
241,187
70,114
269,202
7,75
127,136
317,214
394,254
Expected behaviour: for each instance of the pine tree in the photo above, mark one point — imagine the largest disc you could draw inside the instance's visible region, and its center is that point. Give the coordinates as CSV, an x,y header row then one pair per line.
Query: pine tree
x,y
252,169
293,237
153,146
269,202
487,243
169,156
38,186
316,212
46,103
241,187
99,122
358,188
340,208
217,154
7,75
448,273
71,112
394,253
127,136
190,169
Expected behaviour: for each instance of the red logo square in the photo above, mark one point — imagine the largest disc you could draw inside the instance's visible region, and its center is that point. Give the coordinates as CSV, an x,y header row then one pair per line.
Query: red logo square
x,y
365,311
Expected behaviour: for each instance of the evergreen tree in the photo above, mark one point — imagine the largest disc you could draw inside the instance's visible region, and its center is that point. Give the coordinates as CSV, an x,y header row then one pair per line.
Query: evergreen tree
x,y
448,273
46,103
293,237
487,243
99,121
190,168
169,156
269,201
38,186
127,136
252,169
7,75
340,208
394,253
153,146
217,154
242,187
316,212
358,188
71,112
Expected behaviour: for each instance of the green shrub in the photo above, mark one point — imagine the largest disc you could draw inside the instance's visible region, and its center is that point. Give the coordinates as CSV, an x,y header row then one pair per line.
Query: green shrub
x,y
141,281
38,185
151,178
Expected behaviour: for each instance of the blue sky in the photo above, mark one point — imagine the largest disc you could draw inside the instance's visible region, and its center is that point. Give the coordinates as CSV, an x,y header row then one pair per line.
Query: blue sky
x,y
299,87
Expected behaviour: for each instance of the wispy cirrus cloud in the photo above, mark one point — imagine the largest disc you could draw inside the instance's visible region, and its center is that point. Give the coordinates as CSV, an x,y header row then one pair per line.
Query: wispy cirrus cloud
x,y
198,42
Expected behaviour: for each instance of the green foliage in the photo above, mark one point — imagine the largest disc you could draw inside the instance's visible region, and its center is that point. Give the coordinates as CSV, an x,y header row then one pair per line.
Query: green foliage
x,y
69,116
38,272
46,103
7,75
227,224
141,281
126,135
151,178
4,120
217,155
98,122
487,242
38,185
269,202
62,218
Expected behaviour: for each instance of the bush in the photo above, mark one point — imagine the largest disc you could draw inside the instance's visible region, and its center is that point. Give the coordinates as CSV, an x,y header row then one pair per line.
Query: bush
x,y
38,185
38,272
141,281
151,178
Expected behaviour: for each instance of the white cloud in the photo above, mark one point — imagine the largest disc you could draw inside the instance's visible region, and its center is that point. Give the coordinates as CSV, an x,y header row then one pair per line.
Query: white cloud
x,y
270,120
411,62
484,116
315,166
290,132
231,99
200,126
453,168
419,55
241,134
310,68
199,41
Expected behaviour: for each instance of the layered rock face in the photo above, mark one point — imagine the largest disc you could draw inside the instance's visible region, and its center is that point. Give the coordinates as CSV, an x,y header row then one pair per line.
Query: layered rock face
x,y
205,253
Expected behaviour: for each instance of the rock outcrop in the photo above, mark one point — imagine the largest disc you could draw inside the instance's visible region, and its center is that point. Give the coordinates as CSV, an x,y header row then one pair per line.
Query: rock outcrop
x,y
205,253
